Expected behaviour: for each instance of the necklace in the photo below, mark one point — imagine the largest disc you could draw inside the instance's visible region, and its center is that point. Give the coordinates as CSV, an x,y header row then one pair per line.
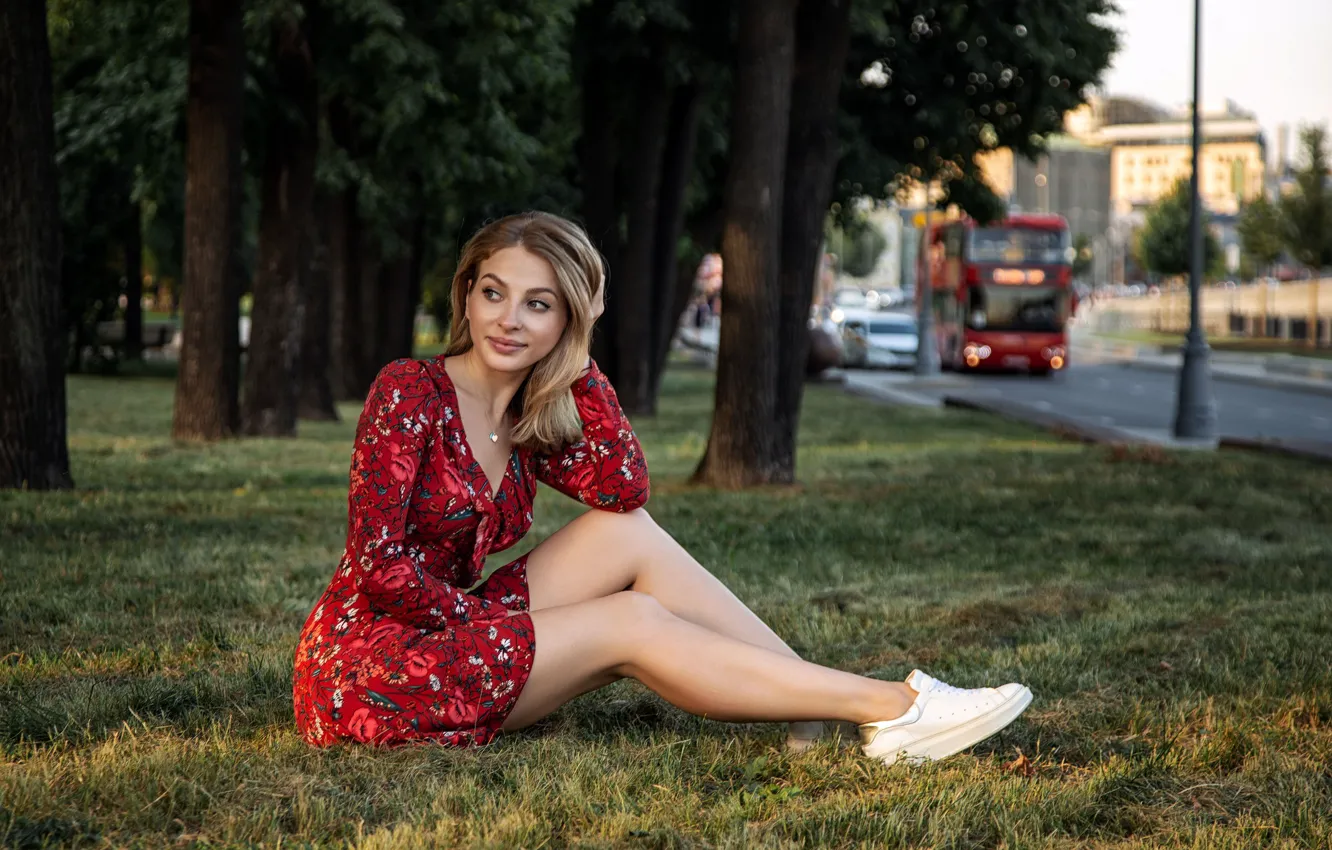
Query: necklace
x,y
494,428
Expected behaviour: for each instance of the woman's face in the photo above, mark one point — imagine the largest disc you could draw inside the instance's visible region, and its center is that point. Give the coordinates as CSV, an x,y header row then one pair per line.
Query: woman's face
x,y
515,310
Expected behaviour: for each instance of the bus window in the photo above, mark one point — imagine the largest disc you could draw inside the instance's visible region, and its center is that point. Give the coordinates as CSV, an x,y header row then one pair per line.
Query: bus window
x,y
993,307
1018,245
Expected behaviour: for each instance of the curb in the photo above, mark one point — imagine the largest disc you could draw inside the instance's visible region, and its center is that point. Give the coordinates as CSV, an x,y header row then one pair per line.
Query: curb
x,y
893,396
1083,432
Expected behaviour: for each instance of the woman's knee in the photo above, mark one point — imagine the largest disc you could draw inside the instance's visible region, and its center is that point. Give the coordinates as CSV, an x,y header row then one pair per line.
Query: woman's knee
x,y
616,521
636,608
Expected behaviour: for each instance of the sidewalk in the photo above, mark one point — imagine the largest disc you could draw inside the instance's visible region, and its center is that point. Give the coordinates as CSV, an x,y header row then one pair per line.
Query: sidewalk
x,y
1279,371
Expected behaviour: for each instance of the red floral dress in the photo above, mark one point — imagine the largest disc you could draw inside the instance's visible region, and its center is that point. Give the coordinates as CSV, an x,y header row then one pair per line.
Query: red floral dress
x,y
396,650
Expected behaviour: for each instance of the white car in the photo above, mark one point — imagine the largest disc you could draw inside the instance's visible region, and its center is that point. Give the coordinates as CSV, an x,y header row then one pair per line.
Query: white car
x,y
884,340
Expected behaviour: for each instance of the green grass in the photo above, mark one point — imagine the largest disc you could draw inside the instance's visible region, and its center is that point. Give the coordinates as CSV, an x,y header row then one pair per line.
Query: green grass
x,y
1172,613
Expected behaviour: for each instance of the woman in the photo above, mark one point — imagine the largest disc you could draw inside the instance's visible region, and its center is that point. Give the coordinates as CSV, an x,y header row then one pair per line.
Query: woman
x,y
448,452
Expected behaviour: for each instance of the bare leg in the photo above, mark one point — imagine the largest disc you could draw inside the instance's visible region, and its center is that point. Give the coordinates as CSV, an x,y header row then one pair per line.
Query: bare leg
x,y
600,553
588,644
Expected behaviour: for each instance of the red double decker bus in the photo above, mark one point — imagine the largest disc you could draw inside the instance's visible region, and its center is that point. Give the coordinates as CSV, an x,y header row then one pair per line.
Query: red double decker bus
x,y
1003,293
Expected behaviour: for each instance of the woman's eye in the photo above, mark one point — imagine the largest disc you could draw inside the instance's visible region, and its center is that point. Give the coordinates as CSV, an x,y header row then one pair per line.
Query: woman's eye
x,y
490,294
540,306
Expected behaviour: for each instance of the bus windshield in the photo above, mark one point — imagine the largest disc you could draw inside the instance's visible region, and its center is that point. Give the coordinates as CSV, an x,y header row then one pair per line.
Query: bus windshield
x,y
995,307
1018,245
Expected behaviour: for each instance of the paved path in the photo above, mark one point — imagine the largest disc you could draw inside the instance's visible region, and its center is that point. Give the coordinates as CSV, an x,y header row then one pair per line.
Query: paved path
x,y
1131,398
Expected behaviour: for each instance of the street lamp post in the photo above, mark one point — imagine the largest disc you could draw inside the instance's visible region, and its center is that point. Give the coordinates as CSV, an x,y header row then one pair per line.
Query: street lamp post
x,y
927,349
1195,410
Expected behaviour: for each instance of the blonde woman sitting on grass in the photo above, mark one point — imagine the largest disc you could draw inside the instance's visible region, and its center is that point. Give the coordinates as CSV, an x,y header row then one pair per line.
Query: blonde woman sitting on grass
x,y
447,457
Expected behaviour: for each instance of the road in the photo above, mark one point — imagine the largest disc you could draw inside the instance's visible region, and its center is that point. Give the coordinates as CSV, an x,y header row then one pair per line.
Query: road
x,y
1137,399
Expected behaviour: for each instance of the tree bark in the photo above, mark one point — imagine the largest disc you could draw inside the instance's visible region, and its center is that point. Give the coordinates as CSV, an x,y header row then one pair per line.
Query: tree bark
x,y
34,452
635,299
206,405
346,344
671,284
395,310
133,246
739,452
316,393
598,155
273,373
824,33
370,323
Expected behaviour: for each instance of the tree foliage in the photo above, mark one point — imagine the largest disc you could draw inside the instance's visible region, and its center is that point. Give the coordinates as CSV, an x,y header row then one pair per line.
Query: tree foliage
x,y
1083,256
1262,231
1308,210
857,244
1163,243
119,73
930,86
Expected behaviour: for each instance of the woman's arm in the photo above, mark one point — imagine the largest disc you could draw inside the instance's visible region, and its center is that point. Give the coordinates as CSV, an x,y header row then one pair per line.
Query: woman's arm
x,y
606,468
391,441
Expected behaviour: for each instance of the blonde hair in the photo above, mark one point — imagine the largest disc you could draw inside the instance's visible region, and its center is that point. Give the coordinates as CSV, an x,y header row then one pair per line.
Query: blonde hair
x,y
547,417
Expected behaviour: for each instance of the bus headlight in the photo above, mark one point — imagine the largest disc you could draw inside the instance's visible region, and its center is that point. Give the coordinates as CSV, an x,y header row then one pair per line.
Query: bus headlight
x,y
973,354
1050,352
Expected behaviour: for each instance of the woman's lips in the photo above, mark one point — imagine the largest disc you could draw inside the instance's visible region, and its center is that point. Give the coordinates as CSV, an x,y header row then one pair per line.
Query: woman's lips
x,y
505,346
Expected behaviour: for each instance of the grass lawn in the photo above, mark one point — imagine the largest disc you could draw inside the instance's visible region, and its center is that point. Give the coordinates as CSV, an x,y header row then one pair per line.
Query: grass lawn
x,y
1172,613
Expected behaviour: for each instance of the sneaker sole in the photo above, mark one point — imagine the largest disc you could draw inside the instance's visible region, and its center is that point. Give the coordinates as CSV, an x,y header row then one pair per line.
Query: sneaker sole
x,y
956,739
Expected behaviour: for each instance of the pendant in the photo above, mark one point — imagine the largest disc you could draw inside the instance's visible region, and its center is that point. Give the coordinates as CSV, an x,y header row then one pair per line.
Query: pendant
x,y
494,438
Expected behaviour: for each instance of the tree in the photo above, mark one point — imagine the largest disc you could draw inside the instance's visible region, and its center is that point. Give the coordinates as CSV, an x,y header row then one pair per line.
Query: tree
x,y
1308,215
206,405
1308,210
118,72
1261,230
652,78
273,373
440,116
740,449
1083,256
923,91
1163,242
34,451
858,244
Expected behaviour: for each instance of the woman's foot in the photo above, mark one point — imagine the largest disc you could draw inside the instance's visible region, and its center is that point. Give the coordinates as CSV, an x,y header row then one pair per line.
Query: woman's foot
x,y
943,720
806,733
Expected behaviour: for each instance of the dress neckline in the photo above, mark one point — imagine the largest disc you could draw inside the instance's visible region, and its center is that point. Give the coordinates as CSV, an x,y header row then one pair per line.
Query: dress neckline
x,y
492,490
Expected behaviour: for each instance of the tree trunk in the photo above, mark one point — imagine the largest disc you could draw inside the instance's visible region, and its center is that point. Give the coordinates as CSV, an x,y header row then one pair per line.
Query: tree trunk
x,y
598,154
344,271
824,33
34,452
395,310
370,325
635,299
316,393
671,284
272,374
133,246
739,452
206,405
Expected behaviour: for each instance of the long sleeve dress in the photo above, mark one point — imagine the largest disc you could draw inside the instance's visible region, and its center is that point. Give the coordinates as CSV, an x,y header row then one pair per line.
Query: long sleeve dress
x,y
396,649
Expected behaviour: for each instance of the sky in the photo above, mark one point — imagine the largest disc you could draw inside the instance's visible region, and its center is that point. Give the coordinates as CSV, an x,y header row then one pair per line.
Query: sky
x,y
1269,56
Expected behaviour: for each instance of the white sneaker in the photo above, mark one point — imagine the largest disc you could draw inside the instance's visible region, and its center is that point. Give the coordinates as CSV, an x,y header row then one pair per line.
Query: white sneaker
x,y
943,720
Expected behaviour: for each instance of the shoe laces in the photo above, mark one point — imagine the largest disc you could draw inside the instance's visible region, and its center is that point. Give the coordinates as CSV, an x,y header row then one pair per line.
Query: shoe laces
x,y
945,688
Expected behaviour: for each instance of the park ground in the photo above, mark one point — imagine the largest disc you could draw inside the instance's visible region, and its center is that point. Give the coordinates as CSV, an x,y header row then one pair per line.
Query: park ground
x,y
1171,612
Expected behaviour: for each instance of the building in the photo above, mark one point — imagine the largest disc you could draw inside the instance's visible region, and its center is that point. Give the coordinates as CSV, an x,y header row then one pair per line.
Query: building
x,y
1151,150
1071,179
